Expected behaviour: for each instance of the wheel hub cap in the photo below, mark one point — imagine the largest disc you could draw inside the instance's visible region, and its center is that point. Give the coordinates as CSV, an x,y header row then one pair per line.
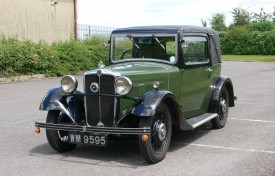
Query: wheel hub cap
x,y
161,131
223,105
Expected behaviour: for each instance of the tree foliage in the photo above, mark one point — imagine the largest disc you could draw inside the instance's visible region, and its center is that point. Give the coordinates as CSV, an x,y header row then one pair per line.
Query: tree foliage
x,y
218,22
262,16
241,17
204,23
249,34
273,15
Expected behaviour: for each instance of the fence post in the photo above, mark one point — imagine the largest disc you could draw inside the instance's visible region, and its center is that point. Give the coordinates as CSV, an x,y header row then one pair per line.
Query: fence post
x,y
89,36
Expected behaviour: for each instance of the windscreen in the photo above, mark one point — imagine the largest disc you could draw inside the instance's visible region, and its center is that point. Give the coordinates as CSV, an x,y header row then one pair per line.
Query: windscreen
x,y
141,47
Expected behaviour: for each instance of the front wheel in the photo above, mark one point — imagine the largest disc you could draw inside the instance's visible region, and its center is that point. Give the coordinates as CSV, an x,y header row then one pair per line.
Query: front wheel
x,y
220,121
155,148
54,136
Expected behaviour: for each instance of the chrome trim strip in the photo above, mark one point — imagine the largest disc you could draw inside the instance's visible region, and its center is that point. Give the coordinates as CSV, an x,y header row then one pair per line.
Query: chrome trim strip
x,y
108,130
103,72
115,110
106,95
84,87
99,101
204,120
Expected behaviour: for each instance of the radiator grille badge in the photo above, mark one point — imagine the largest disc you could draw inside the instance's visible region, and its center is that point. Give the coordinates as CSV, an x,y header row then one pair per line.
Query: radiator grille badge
x,y
94,87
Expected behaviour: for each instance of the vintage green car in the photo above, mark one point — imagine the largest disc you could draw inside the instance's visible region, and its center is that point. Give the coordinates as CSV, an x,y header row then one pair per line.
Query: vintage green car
x,y
159,77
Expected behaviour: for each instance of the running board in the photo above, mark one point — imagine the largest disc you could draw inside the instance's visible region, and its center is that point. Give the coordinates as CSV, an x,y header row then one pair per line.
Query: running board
x,y
201,119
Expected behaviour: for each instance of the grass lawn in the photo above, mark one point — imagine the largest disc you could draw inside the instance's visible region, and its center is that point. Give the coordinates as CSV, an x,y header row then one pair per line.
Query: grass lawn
x,y
259,58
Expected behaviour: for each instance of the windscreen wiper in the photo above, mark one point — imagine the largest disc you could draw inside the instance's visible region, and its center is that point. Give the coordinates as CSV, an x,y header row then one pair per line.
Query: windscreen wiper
x,y
131,38
158,41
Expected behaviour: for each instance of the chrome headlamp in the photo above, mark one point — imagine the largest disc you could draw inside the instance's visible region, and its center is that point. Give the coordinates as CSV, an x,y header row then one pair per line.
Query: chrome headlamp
x,y
69,83
123,85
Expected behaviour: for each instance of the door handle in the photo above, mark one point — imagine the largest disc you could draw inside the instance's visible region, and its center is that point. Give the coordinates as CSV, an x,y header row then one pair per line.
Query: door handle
x,y
209,69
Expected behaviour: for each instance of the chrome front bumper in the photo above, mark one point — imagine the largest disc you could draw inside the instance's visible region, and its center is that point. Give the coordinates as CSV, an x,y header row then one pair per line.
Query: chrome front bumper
x,y
106,130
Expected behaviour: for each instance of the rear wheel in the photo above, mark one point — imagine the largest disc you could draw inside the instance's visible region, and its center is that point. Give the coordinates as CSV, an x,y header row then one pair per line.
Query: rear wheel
x,y
220,121
54,136
155,148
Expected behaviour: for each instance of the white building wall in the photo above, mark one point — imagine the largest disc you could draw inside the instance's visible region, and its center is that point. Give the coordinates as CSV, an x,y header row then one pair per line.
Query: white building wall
x,y
37,20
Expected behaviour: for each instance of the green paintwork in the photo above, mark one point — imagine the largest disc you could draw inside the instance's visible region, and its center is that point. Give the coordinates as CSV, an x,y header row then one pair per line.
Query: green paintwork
x,y
196,89
191,86
143,74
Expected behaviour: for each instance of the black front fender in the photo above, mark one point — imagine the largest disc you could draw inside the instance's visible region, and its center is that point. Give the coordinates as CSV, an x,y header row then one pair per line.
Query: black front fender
x,y
50,99
53,101
148,103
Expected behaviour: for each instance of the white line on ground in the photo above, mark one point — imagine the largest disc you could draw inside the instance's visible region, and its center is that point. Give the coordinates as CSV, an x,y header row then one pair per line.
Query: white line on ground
x,y
231,148
264,93
262,104
253,120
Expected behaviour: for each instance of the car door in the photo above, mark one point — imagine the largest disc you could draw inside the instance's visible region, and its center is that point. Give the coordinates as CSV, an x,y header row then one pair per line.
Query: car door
x,y
197,74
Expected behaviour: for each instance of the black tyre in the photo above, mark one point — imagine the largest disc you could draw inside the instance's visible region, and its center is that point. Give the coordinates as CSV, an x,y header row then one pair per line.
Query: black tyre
x,y
155,148
220,121
54,136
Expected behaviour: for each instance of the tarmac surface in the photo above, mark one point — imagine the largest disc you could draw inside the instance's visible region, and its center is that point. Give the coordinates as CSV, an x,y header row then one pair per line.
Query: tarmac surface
x,y
246,146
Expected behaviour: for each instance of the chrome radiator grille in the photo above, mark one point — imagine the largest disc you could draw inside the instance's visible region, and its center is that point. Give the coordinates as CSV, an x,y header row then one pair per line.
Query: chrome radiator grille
x,y
100,108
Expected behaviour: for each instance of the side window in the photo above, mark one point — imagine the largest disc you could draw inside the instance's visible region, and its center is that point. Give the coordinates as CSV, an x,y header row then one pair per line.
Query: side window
x,y
195,50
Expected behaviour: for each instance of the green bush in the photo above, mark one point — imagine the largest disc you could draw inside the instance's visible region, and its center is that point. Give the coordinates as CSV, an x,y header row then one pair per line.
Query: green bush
x,y
22,57
7,56
261,26
230,40
241,40
60,58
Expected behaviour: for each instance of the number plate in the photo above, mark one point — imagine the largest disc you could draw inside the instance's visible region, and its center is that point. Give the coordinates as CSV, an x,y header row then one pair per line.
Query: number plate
x,y
87,138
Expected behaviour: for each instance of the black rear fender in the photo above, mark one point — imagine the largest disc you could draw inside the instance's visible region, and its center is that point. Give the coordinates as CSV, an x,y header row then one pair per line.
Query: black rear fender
x,y
221,81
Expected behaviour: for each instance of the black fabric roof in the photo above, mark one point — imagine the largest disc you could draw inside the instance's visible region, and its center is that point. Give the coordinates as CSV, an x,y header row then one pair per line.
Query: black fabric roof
x,y
165,28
